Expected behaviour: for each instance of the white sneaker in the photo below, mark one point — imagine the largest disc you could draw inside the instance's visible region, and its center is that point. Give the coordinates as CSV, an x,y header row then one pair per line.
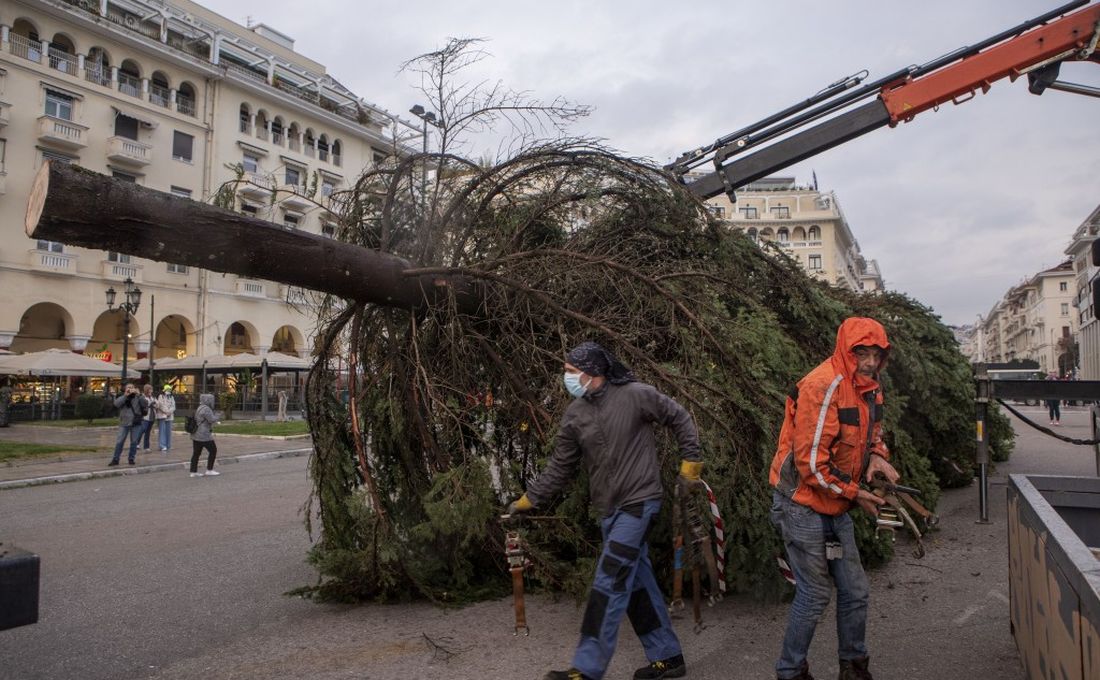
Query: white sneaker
x,y
196,474
146,450
212,473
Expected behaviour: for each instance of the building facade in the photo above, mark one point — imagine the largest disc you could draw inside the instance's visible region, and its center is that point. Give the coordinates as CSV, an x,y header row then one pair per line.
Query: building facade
x,y
178,99
1035,320
1085,273
807,224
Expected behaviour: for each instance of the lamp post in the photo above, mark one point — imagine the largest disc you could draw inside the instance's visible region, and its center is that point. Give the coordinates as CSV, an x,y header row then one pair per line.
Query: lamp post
x,y
133,300
427,118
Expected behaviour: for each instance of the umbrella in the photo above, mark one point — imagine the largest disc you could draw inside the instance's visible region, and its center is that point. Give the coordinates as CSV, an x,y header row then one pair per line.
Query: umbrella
x,y
162,364
59,362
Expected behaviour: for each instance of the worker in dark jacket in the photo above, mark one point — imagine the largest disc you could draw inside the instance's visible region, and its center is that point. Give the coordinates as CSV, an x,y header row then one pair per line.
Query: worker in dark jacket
x,y
609,429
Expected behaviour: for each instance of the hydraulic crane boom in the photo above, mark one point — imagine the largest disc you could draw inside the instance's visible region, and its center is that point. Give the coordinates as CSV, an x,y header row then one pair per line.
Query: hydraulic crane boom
x,y
848,109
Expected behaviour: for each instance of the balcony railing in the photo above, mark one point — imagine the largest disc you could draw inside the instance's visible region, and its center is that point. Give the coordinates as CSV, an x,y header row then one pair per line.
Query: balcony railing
x,y
251,288
45,260
128,84
63,61
243,71
61,132
336,160
129,151
100,75
160,95
120,271
185,104
22,46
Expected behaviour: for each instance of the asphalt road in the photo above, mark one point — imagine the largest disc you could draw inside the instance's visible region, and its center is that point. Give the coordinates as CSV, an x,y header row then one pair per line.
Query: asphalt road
x,y
161,576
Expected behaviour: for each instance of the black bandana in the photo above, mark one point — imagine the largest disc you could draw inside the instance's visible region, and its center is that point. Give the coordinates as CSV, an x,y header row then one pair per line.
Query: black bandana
x,y
594,360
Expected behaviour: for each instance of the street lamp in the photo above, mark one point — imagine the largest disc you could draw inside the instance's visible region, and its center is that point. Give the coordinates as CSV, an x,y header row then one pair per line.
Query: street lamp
x,y
133,299
428,118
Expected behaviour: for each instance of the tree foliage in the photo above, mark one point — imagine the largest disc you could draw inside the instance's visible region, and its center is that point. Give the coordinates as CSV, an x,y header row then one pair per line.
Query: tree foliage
x,y
453,412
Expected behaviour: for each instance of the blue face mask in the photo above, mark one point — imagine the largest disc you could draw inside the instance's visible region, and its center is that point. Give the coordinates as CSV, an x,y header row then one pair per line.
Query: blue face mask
x,y
573,385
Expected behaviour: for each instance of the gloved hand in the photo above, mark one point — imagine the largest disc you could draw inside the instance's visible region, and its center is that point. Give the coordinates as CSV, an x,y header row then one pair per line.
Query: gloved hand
x,y
691,470
521,504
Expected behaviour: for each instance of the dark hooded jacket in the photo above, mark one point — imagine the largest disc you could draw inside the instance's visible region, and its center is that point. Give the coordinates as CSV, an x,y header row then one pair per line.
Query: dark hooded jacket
x,y
832,425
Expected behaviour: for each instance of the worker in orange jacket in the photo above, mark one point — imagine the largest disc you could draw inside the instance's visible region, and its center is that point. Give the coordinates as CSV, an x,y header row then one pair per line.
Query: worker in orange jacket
x,y
831,439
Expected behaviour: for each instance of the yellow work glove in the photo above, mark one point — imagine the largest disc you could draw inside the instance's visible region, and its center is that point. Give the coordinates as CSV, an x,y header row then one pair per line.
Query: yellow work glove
x,y
691,470
521,504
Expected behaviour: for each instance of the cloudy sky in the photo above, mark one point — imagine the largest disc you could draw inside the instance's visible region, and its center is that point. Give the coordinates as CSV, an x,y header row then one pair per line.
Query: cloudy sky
x,y
956,206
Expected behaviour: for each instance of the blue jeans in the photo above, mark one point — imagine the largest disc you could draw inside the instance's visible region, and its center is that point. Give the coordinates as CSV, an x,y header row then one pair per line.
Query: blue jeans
x,y
124,431
164,432
146,426
804,533
625,584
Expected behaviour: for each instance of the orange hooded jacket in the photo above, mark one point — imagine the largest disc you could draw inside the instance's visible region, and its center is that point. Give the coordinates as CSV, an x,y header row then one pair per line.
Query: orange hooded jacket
x,y
833,424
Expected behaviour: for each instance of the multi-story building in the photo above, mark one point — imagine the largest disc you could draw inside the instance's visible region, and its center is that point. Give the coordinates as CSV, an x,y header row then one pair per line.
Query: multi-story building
x,y
1085,273
179,99
970,339
1034,321
807,224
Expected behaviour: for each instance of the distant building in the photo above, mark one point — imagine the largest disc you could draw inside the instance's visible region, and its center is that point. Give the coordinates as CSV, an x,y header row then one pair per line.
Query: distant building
x,y
970,342
807,224
1034,320
177,98
1084,282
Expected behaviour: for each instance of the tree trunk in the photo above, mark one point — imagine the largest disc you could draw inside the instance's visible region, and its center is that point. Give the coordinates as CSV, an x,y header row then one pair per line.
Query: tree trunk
x,y
79,207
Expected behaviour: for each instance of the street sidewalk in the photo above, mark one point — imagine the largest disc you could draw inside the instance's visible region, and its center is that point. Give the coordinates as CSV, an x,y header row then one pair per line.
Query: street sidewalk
x,y
232,448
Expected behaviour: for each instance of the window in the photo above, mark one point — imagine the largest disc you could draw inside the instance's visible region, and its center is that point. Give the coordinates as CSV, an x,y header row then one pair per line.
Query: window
x,y
251,163
249,209
717,210
781,211
181,192
328,229
750,212
3,151
293,176
1065,331
1063,286
177,268
118,257
815,263
59,105
327,187
814,233
182,145
291,221
783,235
127,127
379,157
125,177
1065,309
50,246
54,156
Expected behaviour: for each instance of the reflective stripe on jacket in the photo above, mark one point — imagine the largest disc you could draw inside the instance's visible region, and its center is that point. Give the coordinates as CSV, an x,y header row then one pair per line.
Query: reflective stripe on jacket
x,y
832,424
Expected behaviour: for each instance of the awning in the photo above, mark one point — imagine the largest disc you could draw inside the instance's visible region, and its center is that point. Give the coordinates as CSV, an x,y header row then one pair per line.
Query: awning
x,y
258,150
60,362
139,117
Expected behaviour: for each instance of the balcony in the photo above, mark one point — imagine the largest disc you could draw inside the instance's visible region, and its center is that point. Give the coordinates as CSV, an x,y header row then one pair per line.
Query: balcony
x,y
120,271
185,104
22,46
5,113
293,196
160,95
129,151
50,262
128,84
251,288
62,61
61,133
255,186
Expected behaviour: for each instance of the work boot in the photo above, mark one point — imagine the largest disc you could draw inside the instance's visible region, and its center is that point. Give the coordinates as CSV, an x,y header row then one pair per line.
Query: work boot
x,y
571,674
803,673
855,669
672,667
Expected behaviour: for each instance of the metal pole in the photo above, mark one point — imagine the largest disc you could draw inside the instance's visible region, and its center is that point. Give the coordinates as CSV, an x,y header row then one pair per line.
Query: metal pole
x,y
263,390
982,394
125,340
1093,411
152,342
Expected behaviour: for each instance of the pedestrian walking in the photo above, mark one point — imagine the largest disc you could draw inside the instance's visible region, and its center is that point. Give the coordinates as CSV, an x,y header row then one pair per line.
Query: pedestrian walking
x,y
150,415
1054,409
166,414
830,440
129,423
203,436
608,428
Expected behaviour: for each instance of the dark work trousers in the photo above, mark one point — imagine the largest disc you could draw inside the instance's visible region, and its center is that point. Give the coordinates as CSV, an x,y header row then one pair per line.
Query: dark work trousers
x,y
196,451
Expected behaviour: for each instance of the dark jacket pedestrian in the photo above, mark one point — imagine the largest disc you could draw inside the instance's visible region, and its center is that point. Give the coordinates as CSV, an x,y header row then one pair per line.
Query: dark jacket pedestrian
x,y
831,439
129,405
609,429
203,436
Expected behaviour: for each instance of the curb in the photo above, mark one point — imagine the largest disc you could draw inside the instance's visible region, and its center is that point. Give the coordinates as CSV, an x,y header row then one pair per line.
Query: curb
x,y
161,467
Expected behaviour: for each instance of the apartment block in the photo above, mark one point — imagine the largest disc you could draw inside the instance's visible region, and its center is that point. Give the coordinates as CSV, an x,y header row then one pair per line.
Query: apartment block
x,y
1084,283
1034,320
177,98
807,224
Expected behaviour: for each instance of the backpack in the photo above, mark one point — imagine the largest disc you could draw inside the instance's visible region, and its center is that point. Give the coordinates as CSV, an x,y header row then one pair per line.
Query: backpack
x,y
144,406
190,425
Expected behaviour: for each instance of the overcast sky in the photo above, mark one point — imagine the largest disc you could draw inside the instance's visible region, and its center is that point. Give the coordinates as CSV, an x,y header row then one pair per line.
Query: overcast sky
x,y
956,206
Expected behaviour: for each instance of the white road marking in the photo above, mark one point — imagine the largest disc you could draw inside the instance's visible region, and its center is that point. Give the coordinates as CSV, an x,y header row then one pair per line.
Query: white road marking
x,y
998,595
